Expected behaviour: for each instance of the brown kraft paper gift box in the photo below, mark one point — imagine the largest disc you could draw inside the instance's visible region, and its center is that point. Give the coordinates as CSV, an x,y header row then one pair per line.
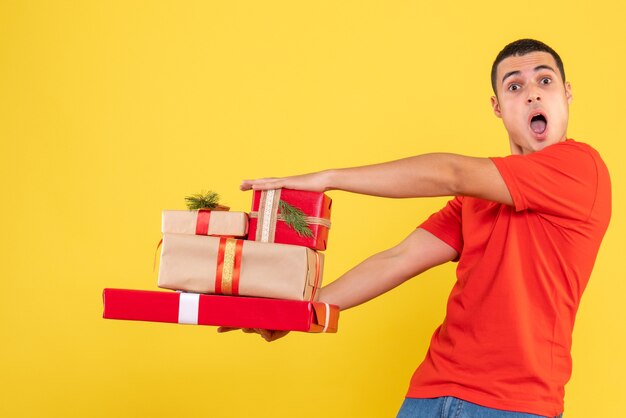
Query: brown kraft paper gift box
x,y
205,222
228,266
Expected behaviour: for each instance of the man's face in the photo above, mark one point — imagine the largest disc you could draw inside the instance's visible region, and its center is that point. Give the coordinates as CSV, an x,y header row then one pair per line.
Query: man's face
x,y
532,101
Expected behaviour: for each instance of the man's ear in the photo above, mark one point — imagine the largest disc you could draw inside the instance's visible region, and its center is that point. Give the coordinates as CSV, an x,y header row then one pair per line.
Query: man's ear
x,y
568,92
496,106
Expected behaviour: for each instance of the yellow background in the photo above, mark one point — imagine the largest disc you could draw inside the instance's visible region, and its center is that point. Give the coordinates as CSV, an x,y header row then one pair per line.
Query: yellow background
x,y
112,111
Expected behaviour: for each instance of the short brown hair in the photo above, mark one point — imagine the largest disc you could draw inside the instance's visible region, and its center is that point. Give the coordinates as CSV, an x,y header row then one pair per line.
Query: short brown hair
x,y
523,47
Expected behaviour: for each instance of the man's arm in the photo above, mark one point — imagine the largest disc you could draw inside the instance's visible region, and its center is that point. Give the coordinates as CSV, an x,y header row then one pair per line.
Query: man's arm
x,y
378,274
383,271
419,176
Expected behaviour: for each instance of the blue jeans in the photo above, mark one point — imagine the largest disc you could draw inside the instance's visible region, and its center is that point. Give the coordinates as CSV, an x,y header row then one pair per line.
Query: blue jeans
x,y
449,407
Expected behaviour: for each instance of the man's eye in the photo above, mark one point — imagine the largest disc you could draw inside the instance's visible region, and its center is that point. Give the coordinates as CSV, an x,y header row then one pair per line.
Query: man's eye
x,y
514,87
546,80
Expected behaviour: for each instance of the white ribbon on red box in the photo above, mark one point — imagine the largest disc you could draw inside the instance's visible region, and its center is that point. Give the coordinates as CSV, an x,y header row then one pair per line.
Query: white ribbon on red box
x,y
189,304
188,307
266,220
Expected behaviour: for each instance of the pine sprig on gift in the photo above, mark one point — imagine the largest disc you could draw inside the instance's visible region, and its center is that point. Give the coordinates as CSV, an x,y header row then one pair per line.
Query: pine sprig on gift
x,y
202,200
295,218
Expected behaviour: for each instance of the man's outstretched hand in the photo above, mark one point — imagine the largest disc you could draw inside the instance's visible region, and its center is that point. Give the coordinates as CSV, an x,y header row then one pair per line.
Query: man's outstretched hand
x,y
314,182
267,334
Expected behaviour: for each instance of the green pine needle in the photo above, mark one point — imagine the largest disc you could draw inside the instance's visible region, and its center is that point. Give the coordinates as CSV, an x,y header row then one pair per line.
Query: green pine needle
x,y
208,200
295,218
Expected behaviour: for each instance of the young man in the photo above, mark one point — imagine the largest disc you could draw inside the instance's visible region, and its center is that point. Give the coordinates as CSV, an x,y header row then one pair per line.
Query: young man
x,y
525,230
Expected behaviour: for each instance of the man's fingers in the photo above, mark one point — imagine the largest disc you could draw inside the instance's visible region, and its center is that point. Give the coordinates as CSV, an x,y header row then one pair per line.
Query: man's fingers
x,y
226,329
262,184
249,330
250,182
313,182
268,335
269,185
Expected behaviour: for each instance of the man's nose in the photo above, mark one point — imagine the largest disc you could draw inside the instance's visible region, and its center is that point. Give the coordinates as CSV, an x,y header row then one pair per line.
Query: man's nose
x,y
533,96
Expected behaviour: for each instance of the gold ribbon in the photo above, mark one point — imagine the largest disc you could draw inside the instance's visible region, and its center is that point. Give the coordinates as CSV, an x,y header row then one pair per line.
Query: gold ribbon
x,y
229,265
311,220
228,271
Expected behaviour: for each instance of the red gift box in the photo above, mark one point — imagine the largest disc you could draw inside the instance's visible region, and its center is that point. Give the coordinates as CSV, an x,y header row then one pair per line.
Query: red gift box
x,y
267,225
227,311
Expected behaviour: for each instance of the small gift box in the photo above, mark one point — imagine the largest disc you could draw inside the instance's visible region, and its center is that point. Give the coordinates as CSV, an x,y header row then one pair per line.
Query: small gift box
x,y
205,222
272,210
229,266
228,311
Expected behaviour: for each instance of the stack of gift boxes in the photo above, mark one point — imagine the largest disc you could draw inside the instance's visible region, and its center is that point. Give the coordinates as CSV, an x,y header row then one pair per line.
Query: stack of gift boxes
x,y
236,269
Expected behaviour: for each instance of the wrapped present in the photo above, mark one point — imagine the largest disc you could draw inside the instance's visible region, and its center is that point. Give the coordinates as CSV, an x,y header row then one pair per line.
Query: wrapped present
x,y
268,220
205,222
228,311
229,266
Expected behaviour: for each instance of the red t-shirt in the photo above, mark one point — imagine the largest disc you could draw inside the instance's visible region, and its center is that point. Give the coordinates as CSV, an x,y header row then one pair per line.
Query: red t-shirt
x,y
506,338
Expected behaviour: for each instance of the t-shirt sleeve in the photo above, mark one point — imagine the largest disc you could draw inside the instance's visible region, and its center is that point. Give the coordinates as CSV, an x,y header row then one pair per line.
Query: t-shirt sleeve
x,y
446,224
560,180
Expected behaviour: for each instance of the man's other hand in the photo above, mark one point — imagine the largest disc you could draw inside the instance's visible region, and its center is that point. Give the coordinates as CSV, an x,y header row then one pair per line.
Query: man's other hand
x,y
267,334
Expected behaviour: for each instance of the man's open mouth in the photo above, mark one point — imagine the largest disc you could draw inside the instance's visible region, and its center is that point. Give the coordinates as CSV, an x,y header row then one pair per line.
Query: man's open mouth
x,y
538,123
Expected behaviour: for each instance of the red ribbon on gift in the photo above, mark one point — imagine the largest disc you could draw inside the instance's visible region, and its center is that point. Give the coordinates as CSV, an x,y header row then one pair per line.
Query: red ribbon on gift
x,y
228,268
202,222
